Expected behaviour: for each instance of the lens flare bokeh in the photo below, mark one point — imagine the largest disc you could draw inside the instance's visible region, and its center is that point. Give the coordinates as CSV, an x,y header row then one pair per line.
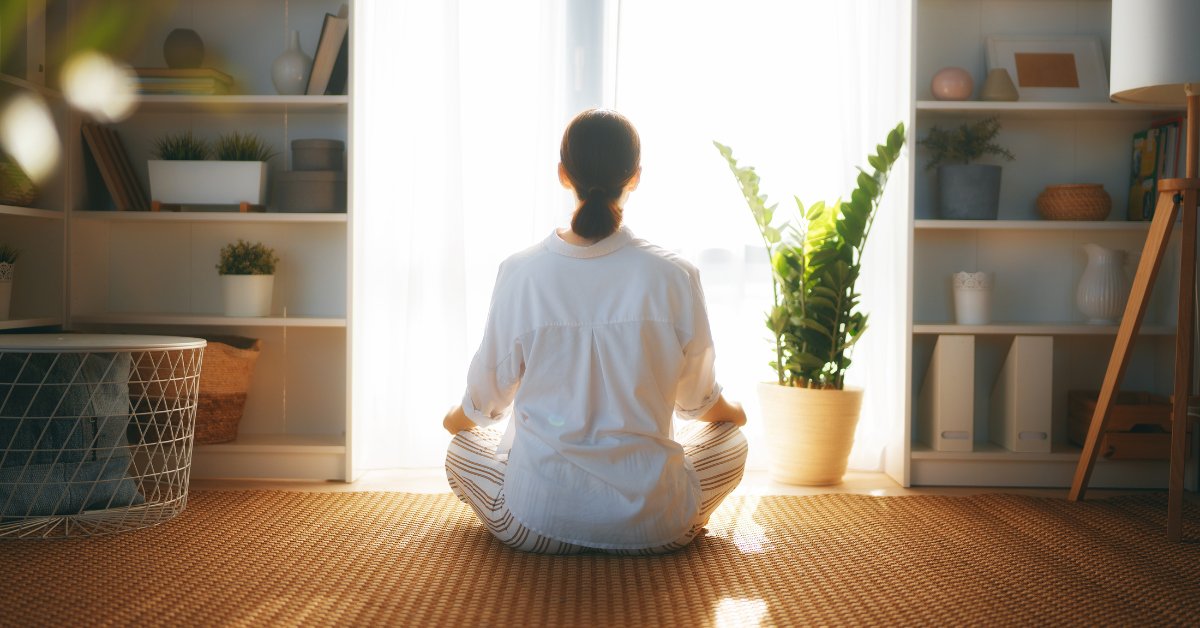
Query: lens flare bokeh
x,y
29,136
94,83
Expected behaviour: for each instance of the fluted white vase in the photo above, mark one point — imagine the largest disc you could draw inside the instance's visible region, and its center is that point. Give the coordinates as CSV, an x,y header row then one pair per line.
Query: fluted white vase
x,y
1104,286
290,70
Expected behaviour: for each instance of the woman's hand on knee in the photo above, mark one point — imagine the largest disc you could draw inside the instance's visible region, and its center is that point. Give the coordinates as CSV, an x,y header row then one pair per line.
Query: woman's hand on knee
x,y
725,411
456,420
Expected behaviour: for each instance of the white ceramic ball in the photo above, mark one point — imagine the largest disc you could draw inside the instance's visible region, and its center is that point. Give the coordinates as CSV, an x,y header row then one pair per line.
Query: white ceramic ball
x,y
952,84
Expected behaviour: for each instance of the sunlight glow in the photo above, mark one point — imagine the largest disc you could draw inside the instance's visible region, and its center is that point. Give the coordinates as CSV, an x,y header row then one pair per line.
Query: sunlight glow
x,y
28,134
878,492
100,86
735,523
737,611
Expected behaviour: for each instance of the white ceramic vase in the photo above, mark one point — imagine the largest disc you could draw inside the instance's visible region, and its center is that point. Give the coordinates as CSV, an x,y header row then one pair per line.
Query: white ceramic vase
x,y
7,271
247,295
290,70
1103,287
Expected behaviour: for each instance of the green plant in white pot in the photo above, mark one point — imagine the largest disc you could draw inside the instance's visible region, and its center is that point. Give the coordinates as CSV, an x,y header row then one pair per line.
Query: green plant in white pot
x,y
8,269
809,414
247,278
966,190
183,174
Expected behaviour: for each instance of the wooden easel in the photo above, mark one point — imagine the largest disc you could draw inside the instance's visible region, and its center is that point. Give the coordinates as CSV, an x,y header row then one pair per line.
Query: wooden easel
x,y
1173,195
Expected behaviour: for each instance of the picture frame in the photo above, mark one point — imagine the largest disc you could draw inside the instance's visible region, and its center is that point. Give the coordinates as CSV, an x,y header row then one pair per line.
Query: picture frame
x,y
1066,68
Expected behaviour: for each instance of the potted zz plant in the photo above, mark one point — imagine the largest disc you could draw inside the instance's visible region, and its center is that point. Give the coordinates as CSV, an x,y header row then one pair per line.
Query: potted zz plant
x,y
808,412
183,174
8,267
247,278
966,190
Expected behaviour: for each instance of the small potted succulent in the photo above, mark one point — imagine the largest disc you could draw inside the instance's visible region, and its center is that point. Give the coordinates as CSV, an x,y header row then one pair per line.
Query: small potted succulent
x,y
8,266
184,174
247,278
966,190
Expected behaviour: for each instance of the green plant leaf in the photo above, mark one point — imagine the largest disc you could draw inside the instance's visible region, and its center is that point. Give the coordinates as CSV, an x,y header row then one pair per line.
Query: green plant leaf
x,y
815,262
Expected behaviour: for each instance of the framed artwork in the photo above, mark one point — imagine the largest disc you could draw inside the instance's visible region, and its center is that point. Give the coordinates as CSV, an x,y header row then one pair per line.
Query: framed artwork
x,y
1058,68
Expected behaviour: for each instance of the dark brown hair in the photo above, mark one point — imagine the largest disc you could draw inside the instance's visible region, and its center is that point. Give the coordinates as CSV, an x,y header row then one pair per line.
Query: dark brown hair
x,y
600,153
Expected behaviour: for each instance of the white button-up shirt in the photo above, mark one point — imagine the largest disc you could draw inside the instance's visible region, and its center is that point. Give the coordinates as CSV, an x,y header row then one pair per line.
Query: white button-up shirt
x,y
591,349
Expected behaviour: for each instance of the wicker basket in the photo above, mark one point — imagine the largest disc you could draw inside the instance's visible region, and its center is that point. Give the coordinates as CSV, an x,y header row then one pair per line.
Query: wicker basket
x,y
1083,201
224,381
15,187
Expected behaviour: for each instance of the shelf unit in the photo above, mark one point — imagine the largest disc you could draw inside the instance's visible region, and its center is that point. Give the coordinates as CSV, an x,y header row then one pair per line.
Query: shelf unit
x,y
1036,263
153,272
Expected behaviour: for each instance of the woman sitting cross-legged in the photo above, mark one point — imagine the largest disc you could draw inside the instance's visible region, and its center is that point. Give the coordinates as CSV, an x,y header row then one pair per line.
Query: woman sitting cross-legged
x,y
594,340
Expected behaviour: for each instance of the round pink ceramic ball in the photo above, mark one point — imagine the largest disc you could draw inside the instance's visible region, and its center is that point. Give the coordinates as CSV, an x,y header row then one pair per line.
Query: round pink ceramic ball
x,y
952,84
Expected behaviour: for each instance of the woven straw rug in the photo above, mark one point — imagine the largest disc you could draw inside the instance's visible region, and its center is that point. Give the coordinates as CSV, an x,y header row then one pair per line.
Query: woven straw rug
x,y
370,559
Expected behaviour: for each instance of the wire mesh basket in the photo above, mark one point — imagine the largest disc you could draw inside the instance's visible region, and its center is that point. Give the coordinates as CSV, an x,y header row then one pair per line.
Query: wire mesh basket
x,y
96,431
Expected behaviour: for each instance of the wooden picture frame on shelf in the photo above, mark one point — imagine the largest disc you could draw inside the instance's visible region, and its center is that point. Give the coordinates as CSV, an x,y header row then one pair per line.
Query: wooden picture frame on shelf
x,y
1066,68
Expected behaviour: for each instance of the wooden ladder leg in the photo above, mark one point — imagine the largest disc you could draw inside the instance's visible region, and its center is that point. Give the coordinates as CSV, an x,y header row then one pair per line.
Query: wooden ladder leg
x,y
1183,366
1131,321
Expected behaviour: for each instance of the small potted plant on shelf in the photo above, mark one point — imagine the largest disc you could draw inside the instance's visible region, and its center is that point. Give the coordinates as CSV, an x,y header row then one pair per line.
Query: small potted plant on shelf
x,y
8,267
247,278
966,190
183,174
808,412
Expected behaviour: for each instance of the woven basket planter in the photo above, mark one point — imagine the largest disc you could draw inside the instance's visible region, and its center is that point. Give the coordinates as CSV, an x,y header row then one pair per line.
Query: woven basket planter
x,y
809,432
224,381
1084,201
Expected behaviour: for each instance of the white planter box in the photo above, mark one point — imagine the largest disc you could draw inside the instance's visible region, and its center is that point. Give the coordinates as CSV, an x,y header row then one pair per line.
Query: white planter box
x,y
208,182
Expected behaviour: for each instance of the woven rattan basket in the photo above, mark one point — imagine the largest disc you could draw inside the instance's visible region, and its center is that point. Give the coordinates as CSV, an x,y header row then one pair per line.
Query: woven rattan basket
x,y
224,381
1082,201
15,187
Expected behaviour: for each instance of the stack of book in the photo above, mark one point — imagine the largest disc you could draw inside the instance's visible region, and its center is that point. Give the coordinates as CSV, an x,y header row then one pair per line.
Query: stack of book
x,y
330,63
110,164
1157,154
192,82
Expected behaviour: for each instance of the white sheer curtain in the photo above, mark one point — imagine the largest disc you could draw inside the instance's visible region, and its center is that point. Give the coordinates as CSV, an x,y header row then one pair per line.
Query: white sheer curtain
x,y
456,132
802,91
458,113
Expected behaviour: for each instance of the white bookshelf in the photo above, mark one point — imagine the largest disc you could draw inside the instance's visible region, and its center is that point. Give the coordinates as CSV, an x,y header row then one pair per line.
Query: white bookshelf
x,y
1036,263
242,104
927,224
1035,329
231,217
84,267
1041,110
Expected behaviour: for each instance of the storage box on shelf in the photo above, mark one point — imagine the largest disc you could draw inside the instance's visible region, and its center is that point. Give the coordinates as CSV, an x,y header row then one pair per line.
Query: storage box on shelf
x,y
1036,264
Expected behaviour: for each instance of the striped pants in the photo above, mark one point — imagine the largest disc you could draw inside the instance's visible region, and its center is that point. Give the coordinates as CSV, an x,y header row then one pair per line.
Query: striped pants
x,y
717,452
